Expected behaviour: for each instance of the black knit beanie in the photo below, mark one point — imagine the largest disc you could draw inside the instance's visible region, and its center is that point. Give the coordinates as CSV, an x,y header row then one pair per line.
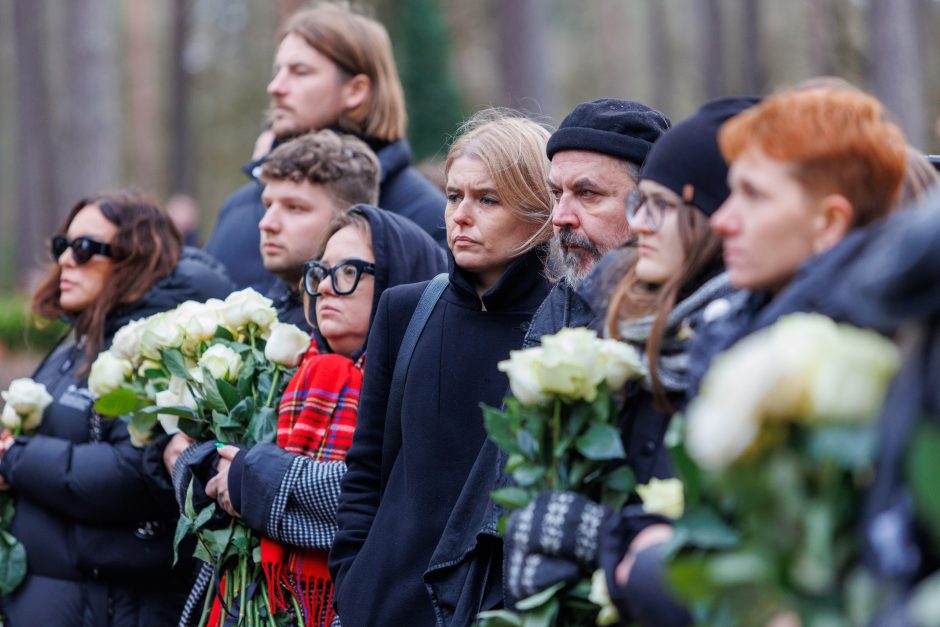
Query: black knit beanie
x,y
619,128
687,160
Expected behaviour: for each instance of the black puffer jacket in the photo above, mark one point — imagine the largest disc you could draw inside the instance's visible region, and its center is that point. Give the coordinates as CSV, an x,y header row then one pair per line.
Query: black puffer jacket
x,y
98,540
236,239
389,559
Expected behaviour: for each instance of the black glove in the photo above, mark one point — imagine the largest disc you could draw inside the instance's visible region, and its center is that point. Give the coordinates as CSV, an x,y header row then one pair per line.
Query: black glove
x,y
551,540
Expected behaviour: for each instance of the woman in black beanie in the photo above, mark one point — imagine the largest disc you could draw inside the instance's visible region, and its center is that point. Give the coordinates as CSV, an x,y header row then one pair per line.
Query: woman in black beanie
x,y
668,283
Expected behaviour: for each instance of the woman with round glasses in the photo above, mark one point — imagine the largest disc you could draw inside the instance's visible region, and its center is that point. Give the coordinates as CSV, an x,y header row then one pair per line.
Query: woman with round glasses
x,y
98,541
288,491
409,465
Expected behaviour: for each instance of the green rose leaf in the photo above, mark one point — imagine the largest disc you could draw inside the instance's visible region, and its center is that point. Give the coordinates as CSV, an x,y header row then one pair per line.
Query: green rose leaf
x,y
183,526
539,598
214,399
499,428
703,528
229,393
528,474
263,425
499,618
221,333
923,468
620,480
119,402
204,516
175,363
510,498
12,565
601,442
144,421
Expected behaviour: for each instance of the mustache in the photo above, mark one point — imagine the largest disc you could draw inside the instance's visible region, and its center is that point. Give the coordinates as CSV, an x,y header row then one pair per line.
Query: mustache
x,y
568,238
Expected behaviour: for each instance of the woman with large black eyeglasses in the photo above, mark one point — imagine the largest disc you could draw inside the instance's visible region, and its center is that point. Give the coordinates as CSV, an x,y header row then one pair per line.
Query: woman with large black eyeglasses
x,y
288,491
96,535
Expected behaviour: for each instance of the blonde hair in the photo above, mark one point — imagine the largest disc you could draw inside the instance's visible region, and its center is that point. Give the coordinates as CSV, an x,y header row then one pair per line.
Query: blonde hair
x,y
357,45
512,148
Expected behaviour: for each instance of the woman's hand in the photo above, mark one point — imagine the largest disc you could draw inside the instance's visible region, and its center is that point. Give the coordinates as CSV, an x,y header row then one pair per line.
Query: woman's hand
x,y
177,444
217,488
652,535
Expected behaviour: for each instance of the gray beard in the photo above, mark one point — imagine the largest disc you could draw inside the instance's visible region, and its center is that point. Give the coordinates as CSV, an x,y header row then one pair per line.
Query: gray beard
x,y
565,264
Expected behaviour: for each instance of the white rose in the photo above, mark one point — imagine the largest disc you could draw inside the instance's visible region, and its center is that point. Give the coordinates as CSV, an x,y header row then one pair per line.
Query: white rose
x,y
27,397
148,364
851,382
139,438
245,306
569,364
663,496
618,362
160,332
522,370
177,394
108,373
199,322
221,361
10,419
286,345
600,596
126,343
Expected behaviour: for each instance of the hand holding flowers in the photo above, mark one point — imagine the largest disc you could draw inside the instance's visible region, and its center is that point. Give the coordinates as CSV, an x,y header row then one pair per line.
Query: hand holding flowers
x,y
560,433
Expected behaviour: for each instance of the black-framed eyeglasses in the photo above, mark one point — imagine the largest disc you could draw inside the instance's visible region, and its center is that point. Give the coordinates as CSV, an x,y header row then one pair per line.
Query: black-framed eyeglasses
x,y
655,209
83,248
344,276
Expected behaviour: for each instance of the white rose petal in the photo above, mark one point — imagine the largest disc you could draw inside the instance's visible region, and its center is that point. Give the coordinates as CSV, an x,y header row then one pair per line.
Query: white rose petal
x,y
600,596
126,343
27,397
619,363
139,438
10,419
663,496
286,345
108,373
221,362
199,322
161,332
521,368
246,306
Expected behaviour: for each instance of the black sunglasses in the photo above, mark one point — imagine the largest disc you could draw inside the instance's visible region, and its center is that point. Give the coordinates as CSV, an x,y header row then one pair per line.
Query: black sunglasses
x,y
83,248
344,276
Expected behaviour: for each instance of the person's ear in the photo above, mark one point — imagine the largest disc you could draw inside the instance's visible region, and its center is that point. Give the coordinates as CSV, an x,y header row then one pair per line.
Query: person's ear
x,y
833,219
356,92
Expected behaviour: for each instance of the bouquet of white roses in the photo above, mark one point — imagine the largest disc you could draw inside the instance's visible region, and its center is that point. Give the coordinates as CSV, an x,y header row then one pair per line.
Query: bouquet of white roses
x,y
26,400
560,433
779,447
216,371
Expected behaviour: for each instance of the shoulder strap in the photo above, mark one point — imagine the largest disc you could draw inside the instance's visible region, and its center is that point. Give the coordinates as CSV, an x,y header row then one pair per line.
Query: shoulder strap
x,y
392,440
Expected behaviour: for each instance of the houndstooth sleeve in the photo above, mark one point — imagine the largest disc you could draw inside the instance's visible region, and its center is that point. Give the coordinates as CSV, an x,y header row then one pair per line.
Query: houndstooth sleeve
x,y
303,512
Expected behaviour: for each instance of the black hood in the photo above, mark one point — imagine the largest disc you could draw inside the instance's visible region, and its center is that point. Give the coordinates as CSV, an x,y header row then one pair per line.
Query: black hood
x,y
197,276
403,252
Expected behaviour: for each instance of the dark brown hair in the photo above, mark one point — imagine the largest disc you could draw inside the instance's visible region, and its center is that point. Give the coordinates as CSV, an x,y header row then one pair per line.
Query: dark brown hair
x,y
343,164
633,298
145,249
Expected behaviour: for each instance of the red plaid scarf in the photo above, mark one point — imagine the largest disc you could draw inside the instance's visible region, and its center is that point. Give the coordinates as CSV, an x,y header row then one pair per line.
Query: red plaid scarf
x,y
316,418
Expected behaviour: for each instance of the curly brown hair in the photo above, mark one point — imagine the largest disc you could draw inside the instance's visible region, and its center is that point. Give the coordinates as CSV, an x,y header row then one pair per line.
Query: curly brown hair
x,y
343,164
145,249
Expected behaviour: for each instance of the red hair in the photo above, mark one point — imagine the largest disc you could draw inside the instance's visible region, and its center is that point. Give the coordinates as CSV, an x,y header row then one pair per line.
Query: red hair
x,y
836,140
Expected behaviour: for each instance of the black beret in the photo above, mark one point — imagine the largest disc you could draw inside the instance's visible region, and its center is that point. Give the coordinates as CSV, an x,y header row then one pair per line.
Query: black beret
x,y
619,128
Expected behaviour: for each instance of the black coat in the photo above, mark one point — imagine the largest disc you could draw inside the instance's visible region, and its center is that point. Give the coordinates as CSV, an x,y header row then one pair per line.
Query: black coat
x,y
403,254
389,532
98,539
289,304
236,239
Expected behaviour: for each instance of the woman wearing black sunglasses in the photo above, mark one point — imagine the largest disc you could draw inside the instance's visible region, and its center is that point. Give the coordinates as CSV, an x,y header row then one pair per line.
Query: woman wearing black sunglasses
x,y
288,491
96,537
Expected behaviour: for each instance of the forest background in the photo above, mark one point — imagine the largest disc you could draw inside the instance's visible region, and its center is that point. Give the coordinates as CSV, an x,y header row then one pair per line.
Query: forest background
x,y
168,97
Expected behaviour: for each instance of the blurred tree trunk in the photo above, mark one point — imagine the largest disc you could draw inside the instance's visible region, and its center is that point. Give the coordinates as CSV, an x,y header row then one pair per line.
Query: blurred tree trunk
x,y
820,22
523,57
91,112
752,58
896,64
661,64
35,156
180,155
710,43
143,80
